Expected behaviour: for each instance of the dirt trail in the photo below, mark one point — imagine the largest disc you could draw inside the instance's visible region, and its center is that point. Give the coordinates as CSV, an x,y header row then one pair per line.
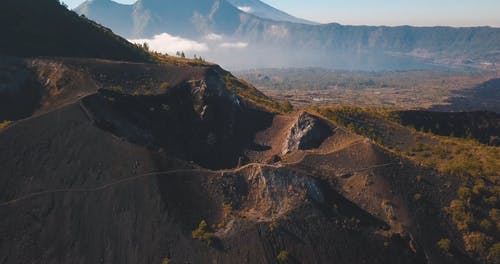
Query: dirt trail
x,y
128,179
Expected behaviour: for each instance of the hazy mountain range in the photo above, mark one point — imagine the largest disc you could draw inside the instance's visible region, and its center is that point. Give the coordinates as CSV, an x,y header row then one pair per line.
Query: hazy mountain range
x,y
262,36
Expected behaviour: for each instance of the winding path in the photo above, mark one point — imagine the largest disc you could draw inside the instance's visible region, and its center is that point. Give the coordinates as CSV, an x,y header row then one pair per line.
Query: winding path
x,y
174,171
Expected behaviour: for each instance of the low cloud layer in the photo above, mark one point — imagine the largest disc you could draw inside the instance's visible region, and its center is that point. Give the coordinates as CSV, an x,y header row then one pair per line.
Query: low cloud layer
x,y
213,37
171,44
235,45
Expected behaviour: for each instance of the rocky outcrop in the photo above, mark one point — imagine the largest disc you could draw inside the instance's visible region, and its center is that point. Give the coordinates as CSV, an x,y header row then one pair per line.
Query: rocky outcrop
x,y
198,120
308,132
276,192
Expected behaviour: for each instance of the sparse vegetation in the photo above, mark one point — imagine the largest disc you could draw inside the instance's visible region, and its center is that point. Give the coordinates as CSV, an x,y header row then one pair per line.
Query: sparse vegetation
x,y
247,91
143,91
287,106
180,54
116,88
473,165
494,254
198,58
178,60
444,244
5,124
477,242
164,86
203,233
274,225
282,256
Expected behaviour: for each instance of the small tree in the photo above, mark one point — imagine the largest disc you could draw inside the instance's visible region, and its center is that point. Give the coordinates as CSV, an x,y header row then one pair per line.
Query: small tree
x,y
282,256
444,244
145,46
183,55
287,106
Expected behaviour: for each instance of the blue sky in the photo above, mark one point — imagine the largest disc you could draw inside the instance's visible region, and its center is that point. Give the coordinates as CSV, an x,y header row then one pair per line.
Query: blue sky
x,y
388,12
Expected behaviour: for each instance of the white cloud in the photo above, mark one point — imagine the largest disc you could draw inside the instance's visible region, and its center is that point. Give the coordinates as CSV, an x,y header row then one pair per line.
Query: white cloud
x,y
277,31
171,44
246,9
213,37
237,45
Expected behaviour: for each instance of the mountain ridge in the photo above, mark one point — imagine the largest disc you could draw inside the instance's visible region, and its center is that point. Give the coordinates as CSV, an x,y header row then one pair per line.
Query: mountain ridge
x,y
35,35
263,10
270,43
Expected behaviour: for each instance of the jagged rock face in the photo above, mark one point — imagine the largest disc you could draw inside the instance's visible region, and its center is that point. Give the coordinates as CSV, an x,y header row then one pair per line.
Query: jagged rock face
x,y
276,192
308,132
198,120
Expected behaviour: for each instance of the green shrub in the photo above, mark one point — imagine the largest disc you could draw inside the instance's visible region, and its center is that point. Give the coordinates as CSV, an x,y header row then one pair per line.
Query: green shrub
x,y
485,224
282,256
460,215
479,187
287,107
203,234
444,244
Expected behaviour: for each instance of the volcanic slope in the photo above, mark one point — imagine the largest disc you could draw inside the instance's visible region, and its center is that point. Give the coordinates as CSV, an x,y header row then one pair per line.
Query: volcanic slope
x,y
137,162
47,28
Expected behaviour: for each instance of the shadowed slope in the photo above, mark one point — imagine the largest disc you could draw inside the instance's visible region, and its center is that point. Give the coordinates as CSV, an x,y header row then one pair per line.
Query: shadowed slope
x,y
46,28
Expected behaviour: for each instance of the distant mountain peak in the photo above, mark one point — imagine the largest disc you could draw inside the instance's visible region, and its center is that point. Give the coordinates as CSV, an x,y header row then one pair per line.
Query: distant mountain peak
x,y
263,10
